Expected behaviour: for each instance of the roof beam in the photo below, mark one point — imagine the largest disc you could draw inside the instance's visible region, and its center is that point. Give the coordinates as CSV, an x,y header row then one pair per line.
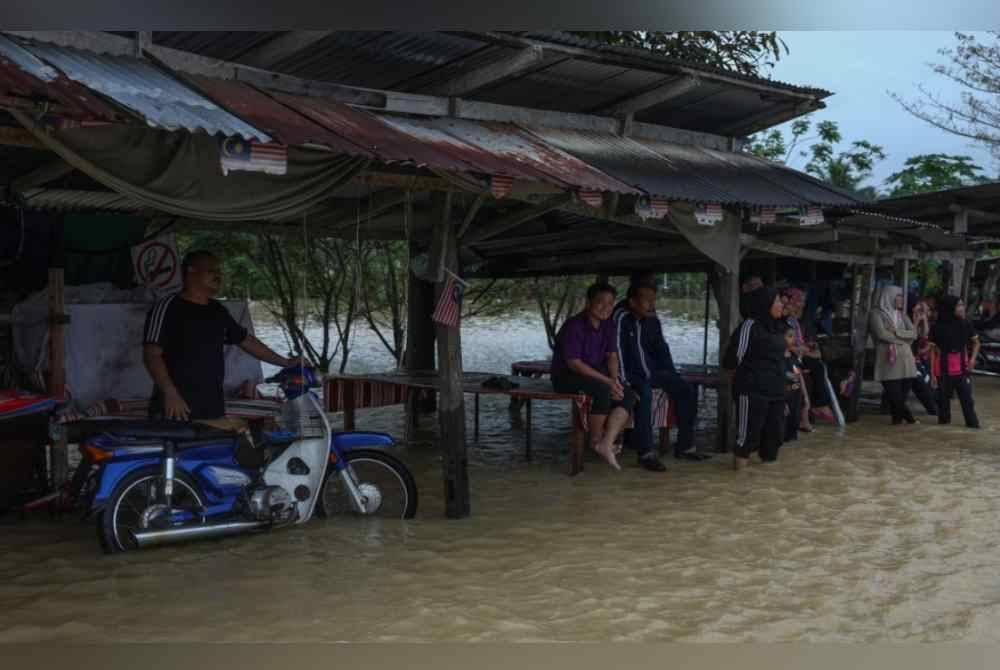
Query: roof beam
x,y
803,239
511,221
770,116
42,175
652,97
989,217
757,244
491,73
282,47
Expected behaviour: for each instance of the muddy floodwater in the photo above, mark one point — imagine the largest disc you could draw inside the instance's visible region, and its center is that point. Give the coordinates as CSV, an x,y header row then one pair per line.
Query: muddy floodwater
x,y
880,534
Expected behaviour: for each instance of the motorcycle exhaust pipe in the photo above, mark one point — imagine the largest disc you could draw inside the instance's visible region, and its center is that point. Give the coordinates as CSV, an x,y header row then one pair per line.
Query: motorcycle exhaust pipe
x,y
150,538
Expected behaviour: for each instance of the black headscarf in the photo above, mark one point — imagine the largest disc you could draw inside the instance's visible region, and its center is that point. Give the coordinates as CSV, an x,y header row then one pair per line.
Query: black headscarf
x,y
950,333
756,305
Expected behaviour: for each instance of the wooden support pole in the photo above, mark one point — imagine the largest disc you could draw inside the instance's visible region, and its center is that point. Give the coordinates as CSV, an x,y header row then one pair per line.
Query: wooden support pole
x,y
708,298
862,291
728,296
451,406
969,270
57,347
419,338
901,274
956,277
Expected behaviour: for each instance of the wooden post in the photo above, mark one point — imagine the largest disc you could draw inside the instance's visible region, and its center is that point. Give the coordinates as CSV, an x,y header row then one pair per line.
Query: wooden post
x,y
863,288
451,404
956,278
901,274
57,347
419,338
728,296
970,269
704,343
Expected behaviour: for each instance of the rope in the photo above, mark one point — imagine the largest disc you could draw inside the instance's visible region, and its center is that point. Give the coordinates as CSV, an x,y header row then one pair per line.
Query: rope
x,y
305,287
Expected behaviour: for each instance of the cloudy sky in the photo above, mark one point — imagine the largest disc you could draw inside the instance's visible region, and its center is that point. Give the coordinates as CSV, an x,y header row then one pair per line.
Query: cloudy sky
x,y
862,68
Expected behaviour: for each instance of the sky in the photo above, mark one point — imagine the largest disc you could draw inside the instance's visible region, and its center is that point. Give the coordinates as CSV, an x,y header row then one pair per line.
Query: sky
x,y
862,68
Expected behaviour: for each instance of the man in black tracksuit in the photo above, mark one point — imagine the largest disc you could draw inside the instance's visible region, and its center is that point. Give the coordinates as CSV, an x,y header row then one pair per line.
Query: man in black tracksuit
x,y
757,353
645,364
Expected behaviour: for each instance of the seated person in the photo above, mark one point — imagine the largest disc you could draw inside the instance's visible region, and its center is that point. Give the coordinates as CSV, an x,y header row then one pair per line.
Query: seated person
x,y
806,348
585,361
793,387
646,364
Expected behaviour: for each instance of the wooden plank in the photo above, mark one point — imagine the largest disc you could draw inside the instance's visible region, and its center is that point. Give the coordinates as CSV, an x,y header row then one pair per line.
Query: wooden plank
x,y
492,73
863,290
470,214
672,89
802,239
727,293
515,219
42,175
759,244
451,406
283,47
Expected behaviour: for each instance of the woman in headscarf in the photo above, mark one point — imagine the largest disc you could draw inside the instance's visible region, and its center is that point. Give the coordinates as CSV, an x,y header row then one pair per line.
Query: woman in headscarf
x,y
893,333
952,337
757,353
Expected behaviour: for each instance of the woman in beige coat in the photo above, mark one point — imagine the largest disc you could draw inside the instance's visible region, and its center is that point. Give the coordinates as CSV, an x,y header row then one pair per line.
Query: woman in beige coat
x,y
893,333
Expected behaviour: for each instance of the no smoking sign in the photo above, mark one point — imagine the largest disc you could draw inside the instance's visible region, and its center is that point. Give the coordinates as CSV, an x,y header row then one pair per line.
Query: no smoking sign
x,y
156,265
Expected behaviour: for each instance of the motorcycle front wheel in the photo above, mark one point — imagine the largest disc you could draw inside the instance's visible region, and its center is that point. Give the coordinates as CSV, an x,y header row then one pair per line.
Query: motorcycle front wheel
x,y
385,483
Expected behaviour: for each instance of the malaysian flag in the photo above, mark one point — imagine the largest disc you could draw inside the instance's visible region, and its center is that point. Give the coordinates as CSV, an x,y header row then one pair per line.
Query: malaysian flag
x,y
768,215
592,198
500,185
654,207
709,215
239,154
813,216
449,305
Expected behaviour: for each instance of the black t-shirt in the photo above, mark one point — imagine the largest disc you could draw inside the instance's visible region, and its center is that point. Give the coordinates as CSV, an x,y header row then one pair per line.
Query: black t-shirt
x,y
193,338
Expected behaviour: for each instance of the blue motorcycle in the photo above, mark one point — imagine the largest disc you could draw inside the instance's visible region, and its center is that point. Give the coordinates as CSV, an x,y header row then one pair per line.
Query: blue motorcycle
x,y
165,481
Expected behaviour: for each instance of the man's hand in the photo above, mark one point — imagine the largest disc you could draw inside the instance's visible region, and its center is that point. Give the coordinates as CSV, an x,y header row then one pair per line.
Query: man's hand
x,y
174,406
934,382
617,390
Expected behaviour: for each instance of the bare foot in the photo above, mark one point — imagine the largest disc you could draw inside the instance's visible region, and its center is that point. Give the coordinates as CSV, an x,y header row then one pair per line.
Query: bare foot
x,y
740,463
607,452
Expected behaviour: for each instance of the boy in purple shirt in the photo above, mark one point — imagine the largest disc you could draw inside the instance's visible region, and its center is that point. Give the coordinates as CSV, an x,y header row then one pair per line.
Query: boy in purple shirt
x,y
585,360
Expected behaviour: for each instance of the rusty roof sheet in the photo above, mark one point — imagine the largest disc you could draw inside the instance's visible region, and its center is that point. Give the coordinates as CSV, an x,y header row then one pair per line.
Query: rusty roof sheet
x,y
281,121
24,76
156,96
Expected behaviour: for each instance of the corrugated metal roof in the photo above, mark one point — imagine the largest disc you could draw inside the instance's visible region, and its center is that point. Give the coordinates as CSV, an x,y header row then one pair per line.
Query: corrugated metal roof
x,y
157,97
80,201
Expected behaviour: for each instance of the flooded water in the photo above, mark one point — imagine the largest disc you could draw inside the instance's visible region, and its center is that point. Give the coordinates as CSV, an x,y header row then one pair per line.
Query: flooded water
x,y
881,534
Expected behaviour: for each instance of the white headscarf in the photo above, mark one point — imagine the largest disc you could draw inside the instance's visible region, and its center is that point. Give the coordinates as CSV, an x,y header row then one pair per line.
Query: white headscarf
x,y
887,303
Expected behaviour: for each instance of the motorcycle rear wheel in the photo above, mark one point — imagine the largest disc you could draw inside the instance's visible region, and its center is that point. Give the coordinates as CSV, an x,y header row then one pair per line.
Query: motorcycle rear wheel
x,y
379,474
120,516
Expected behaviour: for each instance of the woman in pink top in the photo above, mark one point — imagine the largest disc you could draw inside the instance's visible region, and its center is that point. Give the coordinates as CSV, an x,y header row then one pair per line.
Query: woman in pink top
x,y
952,337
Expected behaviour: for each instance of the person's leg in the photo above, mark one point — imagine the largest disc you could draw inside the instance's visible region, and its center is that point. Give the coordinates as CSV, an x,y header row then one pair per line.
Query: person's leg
x,y
600,408
620,412
819,394
772,432
793,407
944,400
963,387
751,415
922,390
894,392
685,402
642,430
905,385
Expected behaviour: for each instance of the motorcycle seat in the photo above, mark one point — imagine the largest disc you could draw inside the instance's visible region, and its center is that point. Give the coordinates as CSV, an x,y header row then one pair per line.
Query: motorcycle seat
x,y
148,429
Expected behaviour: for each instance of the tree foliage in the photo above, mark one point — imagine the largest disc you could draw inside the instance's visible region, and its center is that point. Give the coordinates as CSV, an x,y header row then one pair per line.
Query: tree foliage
x,y
975,66
745,51
934,172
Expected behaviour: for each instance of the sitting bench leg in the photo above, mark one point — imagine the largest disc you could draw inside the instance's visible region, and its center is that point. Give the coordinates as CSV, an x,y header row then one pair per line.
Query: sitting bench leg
x,y
527,429
476,429
576,444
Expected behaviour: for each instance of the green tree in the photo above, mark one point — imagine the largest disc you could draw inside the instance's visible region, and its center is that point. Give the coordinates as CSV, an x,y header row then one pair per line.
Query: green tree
x,y
845,168
744,51
934,172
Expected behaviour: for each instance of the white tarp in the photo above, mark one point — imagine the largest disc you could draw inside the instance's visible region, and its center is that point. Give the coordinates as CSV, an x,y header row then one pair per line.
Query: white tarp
x,y
104,343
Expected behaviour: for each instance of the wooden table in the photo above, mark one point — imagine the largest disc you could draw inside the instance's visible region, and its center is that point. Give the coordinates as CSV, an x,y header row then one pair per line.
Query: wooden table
x,y
348,393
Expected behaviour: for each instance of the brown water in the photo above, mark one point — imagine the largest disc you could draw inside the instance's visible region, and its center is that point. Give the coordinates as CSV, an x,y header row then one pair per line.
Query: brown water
x,y
884,533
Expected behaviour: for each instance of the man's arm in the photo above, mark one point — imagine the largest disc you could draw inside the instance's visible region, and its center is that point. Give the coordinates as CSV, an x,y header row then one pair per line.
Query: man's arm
x,y
661,350
262,352
174,406
975,352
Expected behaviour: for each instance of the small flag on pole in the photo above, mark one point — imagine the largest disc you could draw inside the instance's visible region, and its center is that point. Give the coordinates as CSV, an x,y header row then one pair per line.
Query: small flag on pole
x,y
592,198
768,215
709,215
449,305
237,153
813,216
652,207
500,185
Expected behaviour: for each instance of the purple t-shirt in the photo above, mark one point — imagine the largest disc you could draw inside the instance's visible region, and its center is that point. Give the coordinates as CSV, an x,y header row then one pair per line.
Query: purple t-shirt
x,y
579,339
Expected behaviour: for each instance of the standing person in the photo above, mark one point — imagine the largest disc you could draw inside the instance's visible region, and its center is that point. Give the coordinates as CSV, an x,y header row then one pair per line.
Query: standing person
x,y
895,367
757,354
793,387
184,343
922,358
585,361
952,336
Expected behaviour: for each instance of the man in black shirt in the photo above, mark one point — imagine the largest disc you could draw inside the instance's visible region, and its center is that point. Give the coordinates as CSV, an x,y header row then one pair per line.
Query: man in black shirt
x,y
184,340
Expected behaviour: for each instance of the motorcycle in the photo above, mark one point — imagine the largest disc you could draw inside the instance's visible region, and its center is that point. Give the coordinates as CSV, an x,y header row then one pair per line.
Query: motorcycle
x,y
160,482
